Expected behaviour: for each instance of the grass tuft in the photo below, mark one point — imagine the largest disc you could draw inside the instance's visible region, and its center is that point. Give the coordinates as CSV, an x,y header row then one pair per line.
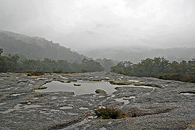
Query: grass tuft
x,y
119,83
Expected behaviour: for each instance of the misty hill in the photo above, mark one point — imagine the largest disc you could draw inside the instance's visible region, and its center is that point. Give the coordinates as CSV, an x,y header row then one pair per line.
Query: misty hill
x,y
35,47
135,54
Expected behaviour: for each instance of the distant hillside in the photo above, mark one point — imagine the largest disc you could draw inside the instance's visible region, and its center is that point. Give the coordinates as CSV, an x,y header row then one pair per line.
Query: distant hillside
x,y
135,54
35,47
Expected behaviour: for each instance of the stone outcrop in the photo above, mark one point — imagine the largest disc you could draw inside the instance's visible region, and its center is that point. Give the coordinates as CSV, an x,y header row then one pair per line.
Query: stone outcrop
x,y
163,104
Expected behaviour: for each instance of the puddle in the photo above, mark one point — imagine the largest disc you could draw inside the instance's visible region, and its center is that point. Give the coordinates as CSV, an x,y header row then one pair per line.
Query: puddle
x,y
15,95
31,106
83,108
53,110
66,107
127,98
187,93
142,86
42,78
133,81
87,87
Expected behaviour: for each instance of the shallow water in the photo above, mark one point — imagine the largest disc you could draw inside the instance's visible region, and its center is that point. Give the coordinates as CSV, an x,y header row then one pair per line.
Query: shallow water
x,y
87,87
187,93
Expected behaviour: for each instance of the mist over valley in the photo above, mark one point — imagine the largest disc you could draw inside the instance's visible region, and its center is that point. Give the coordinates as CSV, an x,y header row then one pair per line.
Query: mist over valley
x,y
97,64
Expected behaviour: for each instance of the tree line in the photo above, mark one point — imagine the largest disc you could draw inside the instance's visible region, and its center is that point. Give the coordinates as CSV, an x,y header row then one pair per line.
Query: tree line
x,y
154,67
12,63
145,68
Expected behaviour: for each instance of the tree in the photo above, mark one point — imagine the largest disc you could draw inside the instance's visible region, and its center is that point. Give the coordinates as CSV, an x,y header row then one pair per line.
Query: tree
x,y
1,51
191,67
148,66
3,65
174,67
161,65
118,68
91,66
183,67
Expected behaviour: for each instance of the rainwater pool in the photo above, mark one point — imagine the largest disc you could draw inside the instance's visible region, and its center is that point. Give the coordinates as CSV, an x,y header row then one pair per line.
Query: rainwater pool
x,y
87,87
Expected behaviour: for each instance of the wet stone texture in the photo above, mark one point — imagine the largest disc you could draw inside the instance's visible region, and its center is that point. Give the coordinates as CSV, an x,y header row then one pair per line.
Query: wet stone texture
x,y
151,104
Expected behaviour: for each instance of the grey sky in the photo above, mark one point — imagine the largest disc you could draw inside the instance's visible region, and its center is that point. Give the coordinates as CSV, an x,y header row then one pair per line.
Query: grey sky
x,y
81,24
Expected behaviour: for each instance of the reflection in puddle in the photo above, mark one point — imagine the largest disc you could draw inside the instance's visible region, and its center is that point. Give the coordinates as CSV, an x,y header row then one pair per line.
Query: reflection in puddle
x,y
87,87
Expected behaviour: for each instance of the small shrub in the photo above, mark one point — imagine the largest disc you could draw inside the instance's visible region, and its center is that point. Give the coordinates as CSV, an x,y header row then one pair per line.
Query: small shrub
x,y
36,74
110,113
111,82
58,71
71,72
42,87
84,71
178,77
47,72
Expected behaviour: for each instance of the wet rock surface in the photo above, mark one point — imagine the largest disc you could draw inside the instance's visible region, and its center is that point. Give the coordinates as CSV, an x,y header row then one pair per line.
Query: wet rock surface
x,y
152,103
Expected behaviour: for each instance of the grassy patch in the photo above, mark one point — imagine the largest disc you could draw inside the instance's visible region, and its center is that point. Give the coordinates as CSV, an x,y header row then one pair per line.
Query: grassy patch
x,y
119,83
95,80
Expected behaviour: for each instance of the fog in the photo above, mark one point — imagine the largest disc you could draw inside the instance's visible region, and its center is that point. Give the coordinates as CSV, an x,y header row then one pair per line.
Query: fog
x,y
91,24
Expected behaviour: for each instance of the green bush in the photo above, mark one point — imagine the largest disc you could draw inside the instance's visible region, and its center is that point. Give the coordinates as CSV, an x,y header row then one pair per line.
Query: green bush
x,y
110,113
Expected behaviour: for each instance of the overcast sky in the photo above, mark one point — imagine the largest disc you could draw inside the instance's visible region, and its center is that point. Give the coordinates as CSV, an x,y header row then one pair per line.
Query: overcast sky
x,y
81,24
